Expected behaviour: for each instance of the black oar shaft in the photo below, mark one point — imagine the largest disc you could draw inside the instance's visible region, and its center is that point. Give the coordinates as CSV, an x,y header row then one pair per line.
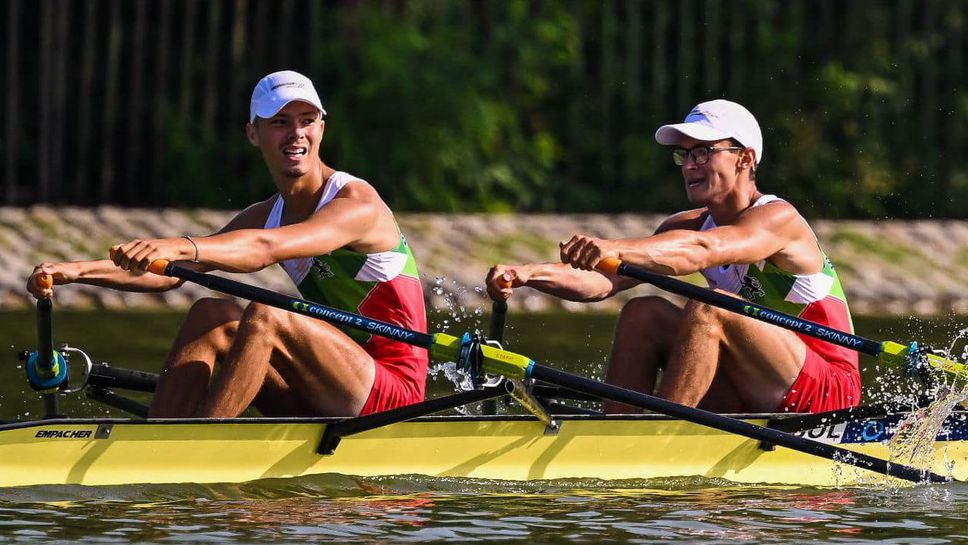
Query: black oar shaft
x,y
499,312
45,327
733,425
740,306
45,353
301,306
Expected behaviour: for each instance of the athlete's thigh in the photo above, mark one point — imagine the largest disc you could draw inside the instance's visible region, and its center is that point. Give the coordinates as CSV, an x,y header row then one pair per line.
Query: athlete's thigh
x,y
761,360
320,363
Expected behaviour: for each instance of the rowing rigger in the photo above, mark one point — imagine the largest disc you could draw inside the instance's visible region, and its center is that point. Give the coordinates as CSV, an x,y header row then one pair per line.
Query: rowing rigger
x,y
479,357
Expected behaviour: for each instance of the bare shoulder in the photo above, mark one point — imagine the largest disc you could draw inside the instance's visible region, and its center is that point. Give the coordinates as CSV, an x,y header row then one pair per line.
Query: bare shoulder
x,y
689,220
359,198
773,214
253,216
359,189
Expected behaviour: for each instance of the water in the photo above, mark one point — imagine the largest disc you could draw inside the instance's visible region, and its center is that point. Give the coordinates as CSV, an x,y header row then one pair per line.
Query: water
x,y
338,508
412,509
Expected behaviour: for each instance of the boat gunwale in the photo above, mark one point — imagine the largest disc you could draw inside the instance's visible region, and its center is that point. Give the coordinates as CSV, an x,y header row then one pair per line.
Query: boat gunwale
x,y
21,424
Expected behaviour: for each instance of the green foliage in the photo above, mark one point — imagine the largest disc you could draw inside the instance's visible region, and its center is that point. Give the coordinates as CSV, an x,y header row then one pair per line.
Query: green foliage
x,y
440,129
207,170
550,106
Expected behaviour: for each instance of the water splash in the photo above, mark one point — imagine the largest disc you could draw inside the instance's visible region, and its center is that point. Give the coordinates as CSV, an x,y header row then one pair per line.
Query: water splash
x,y
453,295
913,443
461,380
914,439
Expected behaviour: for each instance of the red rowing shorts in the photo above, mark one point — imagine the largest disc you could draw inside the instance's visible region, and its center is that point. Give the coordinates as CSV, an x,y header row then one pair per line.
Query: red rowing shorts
x,y
400,374
821,386
391,390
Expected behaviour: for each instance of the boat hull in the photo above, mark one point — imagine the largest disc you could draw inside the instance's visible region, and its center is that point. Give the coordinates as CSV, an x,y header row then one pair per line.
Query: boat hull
x,y
112,452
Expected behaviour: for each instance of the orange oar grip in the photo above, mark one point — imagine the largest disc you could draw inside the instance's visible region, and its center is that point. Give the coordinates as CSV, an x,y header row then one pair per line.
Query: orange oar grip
x,y
503,282
609,265
158,266
45,281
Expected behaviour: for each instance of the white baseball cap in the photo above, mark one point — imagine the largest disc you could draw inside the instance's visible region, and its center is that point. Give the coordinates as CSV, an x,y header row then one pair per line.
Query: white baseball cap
x,y
274,91
716,120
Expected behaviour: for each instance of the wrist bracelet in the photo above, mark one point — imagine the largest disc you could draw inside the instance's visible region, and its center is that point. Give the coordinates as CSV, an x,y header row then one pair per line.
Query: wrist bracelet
x,y
189,239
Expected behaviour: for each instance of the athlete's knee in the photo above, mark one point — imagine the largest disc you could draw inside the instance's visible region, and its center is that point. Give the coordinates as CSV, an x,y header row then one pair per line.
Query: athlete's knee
x,y
707,316
211,317
212,309
265,318
647,312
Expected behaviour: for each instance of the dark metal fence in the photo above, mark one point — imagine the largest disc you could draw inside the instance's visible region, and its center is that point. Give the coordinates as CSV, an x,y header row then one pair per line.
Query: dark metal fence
x,y
863,102
93,87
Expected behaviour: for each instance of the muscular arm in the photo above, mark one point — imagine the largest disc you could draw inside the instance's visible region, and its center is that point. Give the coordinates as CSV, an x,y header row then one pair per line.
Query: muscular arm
x,y
773,231
106,274
760,233
102,273
355,218
571,284
556,279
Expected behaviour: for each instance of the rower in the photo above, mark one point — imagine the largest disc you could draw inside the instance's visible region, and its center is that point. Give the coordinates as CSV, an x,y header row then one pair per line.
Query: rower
x,y
341,246
744,242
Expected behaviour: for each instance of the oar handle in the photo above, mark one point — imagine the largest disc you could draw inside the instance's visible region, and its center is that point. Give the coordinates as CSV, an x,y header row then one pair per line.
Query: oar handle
x,y
46,368
499,314
45,281
499,311
609,265
158,266
45,327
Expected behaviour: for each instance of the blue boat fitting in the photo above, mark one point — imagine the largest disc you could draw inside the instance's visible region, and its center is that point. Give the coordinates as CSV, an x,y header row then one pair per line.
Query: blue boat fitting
x,y
912,361
470,358
46,377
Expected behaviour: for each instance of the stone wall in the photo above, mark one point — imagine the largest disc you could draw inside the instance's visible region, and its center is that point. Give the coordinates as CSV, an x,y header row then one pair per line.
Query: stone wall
x,y
888,267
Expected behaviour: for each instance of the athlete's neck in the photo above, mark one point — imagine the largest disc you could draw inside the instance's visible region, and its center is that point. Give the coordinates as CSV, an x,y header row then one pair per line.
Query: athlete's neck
x,y
727,211
301,195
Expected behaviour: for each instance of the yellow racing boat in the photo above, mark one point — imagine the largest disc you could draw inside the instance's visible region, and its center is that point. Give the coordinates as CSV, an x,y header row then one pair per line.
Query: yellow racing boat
x,y
549,441
111,452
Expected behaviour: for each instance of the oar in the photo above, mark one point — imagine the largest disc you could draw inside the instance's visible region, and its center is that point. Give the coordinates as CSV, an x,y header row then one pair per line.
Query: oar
x,y
888,352
499,313
502,362
46,368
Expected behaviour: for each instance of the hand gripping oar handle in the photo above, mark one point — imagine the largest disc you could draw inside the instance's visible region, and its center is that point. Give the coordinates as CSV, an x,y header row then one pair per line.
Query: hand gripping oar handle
x,y
908,356
45,363
46,368
501,362
499,312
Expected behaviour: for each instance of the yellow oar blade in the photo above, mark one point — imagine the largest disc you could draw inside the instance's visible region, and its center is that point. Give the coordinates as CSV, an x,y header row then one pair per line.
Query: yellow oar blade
x,y
900,354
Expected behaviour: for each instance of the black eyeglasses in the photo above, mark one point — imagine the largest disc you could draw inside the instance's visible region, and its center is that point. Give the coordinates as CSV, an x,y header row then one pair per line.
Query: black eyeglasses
x,y
700,154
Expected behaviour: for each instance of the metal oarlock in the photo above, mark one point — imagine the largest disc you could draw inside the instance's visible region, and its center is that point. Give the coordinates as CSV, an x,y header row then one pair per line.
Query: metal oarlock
x,y
470,359
917,363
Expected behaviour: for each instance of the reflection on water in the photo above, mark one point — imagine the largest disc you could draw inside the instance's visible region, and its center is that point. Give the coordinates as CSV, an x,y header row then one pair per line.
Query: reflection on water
x,y
339,508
